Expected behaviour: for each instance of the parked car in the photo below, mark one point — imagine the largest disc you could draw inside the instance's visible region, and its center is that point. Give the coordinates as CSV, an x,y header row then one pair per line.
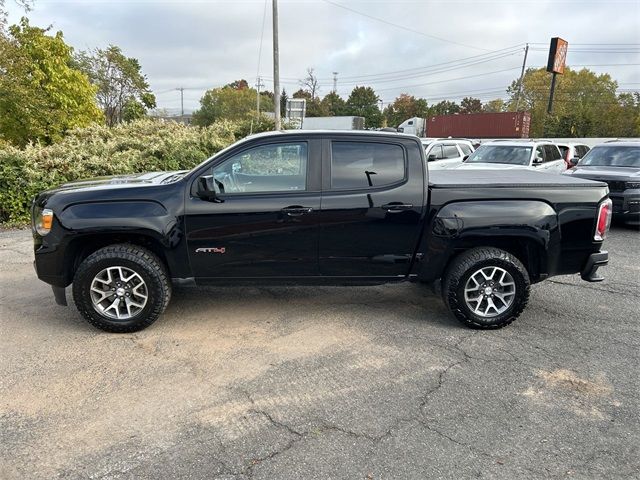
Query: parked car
x,y
446,152
309,208
617,164
540,155
572,150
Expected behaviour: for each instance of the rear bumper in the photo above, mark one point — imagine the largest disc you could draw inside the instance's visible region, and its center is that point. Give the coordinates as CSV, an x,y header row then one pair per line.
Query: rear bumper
x,y
589,272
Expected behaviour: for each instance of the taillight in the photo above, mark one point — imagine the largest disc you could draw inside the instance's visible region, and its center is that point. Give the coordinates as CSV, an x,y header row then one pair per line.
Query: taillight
x,y
604,220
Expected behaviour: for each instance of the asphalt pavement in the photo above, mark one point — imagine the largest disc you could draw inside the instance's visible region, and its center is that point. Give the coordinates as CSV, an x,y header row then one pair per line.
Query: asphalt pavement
x,y
327,383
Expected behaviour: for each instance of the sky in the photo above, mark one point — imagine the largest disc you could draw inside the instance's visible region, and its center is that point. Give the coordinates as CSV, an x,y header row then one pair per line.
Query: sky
x,y
435,49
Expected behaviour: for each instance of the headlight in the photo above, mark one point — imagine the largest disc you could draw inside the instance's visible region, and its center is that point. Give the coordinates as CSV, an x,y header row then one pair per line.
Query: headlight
x,y
42,220
632,185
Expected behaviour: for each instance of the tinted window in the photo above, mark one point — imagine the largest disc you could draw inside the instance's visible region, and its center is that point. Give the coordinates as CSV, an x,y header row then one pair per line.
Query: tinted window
x,y
581,150
435,150
466,149
564,150
267,168
551,153
613,156
508,154
450,151
361,164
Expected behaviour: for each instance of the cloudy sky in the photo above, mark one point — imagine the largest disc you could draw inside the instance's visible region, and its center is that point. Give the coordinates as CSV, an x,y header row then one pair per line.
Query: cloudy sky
x,y
442,49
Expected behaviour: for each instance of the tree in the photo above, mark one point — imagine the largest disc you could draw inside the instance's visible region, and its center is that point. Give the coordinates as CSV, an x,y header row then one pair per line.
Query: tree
x,y
229,103
333,104
445,107
310,84
42,95
470,105
403,107
26,5
119,80
494,106
241,84
581,102
283,103
363,102
314,107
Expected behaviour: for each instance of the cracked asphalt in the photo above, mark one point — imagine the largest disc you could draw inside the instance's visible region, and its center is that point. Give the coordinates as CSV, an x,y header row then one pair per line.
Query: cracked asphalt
x,y
327,383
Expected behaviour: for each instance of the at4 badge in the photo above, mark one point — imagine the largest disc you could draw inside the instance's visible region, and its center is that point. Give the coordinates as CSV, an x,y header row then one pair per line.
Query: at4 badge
x,y
210,250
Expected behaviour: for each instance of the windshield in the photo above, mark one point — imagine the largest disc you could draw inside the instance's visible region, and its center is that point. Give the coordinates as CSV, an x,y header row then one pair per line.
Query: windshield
x,y
612,156
509,154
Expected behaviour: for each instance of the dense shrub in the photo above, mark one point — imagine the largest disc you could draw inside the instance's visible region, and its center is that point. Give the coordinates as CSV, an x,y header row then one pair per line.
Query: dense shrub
x,y
140,146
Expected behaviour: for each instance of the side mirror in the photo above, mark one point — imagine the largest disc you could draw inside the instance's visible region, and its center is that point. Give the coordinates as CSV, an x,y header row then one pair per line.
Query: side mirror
x,y
207,189
537,161
431,157
574,161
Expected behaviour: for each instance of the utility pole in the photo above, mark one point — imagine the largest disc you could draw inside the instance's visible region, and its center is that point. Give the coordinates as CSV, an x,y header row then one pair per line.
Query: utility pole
x,y
335,81
276,67
259,84
524,66
181,90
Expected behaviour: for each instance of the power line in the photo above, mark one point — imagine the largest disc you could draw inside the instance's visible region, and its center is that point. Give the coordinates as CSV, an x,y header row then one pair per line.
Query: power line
x,y
386,22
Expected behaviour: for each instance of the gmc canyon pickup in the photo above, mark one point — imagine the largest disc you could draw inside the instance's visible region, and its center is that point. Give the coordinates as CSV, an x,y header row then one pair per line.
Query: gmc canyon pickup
x,y
331,208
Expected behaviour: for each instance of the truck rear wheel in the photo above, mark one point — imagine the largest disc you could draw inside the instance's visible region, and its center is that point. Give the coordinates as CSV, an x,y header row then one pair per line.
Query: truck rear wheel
x,y
121,288
486,288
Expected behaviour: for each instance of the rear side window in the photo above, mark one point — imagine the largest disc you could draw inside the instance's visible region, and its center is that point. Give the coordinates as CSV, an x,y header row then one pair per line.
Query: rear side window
x,y
450,151
551,153
564,150
356,165
466,149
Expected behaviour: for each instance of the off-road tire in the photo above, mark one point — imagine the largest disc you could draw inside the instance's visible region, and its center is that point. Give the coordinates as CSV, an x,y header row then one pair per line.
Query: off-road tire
x,y
463,266
139,259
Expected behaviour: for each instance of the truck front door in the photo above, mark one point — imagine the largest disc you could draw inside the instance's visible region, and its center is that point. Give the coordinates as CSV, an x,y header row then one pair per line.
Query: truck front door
x,y
264,221
372,206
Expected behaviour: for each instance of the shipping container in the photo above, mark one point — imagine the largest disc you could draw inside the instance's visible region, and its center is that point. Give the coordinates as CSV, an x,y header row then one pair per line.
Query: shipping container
x,y
480,125
333,123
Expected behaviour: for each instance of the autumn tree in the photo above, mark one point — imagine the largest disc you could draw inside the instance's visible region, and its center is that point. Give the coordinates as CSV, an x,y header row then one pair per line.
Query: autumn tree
x,y
470,105
229,103
363,102
42,95
445,107
315,108
120,83
403,107
494,106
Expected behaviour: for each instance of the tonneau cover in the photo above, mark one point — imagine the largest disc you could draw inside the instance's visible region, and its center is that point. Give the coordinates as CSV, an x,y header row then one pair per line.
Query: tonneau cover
x,y
507,178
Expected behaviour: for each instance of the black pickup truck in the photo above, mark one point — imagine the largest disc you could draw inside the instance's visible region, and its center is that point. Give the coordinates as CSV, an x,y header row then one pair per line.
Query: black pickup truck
x,y
331,208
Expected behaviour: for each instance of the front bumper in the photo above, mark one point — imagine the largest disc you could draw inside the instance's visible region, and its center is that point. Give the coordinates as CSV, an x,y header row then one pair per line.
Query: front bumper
x,y
626,205
590,270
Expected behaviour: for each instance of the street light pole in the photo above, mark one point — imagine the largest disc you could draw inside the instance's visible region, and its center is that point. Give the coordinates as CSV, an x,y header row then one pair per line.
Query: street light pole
x,y
276,67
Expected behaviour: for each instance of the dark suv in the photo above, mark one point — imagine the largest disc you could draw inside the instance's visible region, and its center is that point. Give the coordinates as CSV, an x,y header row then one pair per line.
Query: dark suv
x,y
618,164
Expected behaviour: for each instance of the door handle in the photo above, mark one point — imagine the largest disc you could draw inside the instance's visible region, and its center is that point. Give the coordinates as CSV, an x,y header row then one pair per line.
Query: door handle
x,y
394,207
296,210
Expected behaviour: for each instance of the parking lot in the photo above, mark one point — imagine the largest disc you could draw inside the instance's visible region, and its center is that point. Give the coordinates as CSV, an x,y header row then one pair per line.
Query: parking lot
x,y
358,383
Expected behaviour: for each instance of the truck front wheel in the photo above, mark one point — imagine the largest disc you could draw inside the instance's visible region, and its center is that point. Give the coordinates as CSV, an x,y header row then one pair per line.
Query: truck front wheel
x,y
486,288
121,288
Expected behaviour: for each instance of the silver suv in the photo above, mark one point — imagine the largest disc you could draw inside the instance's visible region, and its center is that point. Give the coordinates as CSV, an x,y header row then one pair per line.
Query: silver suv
x,y
540,155
445,153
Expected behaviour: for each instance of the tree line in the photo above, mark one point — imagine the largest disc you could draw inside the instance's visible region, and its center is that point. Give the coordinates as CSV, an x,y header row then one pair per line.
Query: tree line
x,y
47,89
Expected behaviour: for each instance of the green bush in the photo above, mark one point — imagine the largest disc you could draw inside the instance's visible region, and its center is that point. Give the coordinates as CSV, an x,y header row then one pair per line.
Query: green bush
x,y
140,146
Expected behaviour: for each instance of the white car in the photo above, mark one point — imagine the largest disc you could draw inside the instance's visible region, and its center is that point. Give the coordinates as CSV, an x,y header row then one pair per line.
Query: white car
x,y
572,150
444,153
540,155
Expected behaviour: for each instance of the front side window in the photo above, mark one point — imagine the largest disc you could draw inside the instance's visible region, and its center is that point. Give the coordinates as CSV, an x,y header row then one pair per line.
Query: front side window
x,y
435,153
279,167
507,154
357,165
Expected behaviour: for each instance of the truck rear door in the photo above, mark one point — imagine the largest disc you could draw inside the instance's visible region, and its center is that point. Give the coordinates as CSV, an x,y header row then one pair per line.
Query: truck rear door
x,y
371,207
